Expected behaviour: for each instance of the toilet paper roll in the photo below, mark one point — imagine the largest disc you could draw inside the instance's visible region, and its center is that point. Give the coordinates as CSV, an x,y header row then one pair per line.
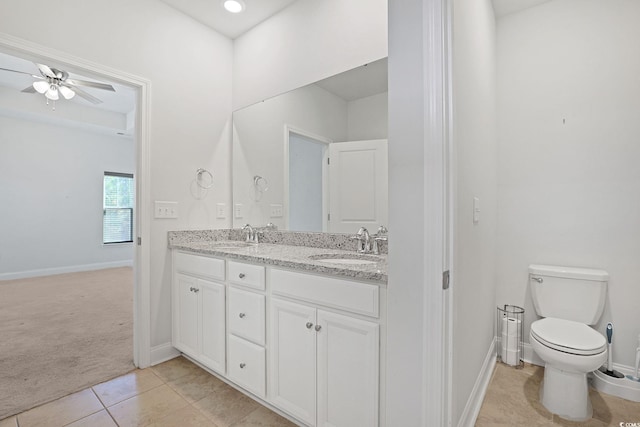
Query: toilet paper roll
x,y
511,357
510,342
510,326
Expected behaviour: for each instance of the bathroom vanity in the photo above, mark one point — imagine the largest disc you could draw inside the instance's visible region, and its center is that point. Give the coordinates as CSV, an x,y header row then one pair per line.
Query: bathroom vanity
x,y
300,329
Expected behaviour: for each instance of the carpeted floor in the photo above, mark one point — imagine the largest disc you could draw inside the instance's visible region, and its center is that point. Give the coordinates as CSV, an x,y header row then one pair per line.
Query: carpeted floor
x,y
63,333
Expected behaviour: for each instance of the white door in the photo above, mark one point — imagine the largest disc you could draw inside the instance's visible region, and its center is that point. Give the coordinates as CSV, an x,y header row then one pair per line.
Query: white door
x,y
186,322
348,371
292,374
212,336
358,180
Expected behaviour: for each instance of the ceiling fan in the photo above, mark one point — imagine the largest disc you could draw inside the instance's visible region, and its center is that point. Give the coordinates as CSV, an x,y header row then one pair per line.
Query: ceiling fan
x,y
53,83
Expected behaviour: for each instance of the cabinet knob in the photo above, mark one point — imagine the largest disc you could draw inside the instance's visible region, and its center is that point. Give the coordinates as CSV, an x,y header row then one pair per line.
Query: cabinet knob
x,y
241,275
309,325
318,327
242,365
242,315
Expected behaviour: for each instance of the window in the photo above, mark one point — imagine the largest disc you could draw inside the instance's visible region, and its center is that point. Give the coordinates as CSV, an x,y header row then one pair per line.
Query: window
x,y
117,217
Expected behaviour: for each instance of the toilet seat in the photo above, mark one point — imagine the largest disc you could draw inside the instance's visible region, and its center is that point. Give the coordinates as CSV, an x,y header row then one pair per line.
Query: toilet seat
x,y
568,336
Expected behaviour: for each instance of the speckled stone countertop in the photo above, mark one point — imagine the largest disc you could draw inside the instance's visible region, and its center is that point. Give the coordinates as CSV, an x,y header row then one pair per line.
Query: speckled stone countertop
x,y
211,242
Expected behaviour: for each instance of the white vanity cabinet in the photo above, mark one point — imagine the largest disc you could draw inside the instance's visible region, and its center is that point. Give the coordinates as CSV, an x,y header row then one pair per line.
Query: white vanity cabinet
x,y
304,343
198,309
324,365
246,327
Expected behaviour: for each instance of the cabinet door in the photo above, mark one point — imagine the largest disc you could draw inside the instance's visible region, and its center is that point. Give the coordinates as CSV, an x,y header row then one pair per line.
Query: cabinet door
x,y
292,372
348,371
212,336
185,328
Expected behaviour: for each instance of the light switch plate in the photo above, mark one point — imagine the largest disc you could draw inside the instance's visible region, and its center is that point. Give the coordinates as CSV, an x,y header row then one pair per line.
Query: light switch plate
x,y
476,210
165,210
276,211
221,210
238,211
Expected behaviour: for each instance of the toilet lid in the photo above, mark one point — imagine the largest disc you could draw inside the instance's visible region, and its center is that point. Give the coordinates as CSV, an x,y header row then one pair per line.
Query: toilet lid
x,y
568,336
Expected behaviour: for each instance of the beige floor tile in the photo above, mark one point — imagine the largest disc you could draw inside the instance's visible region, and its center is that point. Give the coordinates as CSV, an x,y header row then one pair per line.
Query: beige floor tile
x,y
196,386
147,407
512,399
9,422
187,416
126,386
99,419
175,368
226,406
263,417
62,411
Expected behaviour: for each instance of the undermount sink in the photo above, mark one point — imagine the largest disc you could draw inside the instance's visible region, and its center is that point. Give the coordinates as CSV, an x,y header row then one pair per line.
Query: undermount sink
x,y
346,259
223,244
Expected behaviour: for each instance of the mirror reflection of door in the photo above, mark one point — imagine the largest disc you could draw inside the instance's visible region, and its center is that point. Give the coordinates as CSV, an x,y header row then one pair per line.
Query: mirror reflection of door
x,y
358,191
308,183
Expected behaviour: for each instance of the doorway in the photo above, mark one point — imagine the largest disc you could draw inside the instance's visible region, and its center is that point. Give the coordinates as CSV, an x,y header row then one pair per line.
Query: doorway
x,y
141,227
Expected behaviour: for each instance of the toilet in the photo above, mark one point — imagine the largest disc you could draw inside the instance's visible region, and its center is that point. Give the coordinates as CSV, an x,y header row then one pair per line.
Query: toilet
x,y
568,300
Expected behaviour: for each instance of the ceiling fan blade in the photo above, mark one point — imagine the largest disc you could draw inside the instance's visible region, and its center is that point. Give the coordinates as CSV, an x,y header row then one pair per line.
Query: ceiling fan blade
x,y
46,70
21,72
86,96
96,85
29,89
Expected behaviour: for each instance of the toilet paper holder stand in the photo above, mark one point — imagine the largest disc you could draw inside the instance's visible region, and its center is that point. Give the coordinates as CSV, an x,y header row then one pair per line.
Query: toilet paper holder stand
x,y
509,333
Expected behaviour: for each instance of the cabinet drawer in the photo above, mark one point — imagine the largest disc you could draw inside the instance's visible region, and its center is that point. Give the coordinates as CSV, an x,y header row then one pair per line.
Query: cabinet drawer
x,y
246,365
247,315
199,265
246,274
342,294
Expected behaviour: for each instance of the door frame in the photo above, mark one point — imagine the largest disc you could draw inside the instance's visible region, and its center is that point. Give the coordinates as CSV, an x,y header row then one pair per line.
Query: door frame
x,y
142,255
288,130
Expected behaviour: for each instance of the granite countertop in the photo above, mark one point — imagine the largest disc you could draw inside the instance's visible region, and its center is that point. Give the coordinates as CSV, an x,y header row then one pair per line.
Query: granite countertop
x,y
290,256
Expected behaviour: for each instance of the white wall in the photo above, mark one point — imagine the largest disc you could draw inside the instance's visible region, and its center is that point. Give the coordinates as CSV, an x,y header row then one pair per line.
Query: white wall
x,y
569,102
306,42
368,118
475,141
189,67
52,193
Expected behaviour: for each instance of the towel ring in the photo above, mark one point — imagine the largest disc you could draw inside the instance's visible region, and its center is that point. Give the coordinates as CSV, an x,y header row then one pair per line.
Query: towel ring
x,y
204,178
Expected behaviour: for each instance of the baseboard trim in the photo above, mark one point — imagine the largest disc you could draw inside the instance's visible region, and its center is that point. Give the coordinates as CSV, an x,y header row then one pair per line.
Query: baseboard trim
x,y
530,356
67,269
474,403
162,353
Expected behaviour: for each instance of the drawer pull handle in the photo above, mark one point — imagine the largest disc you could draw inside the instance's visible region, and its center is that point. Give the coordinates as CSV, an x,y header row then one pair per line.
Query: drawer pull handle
x,y
242,315
242,365
309,325
318,327
192,289
241,275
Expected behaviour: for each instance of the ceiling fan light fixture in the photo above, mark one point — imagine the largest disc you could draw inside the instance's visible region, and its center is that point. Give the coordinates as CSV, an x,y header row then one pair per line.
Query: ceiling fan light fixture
x,y
41,86
66,92
234,6
52,93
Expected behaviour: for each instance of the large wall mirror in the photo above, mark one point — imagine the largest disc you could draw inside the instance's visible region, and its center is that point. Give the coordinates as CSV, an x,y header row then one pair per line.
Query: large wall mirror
x,y
315,158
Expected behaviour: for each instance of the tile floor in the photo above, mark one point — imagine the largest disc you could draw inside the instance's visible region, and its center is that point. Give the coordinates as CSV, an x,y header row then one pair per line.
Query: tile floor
x,y
512,400
174,393
179,393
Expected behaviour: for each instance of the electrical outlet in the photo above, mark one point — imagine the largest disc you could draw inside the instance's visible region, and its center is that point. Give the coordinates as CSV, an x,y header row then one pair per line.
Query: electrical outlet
x,y
221,210
238,211
276,211
166,210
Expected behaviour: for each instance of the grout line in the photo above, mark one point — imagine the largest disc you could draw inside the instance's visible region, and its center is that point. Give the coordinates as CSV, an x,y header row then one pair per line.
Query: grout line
x,y
96,394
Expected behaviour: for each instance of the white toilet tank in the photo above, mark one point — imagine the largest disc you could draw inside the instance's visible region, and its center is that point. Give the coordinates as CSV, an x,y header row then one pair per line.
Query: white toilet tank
x,y
569,293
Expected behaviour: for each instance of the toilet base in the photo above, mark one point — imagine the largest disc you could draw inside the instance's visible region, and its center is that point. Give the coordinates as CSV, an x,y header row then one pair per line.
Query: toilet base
x,y
566,394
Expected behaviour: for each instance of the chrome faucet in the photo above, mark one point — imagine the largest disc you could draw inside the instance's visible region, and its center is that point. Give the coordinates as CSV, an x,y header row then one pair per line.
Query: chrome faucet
x,y
252,235
364,240
380,236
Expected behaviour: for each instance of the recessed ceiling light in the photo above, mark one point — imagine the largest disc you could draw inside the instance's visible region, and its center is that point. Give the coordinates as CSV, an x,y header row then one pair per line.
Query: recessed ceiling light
x,y
234,6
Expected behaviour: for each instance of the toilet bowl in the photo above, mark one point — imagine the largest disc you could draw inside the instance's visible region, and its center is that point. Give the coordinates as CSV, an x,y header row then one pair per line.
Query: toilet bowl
x,y
570,350
569,300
